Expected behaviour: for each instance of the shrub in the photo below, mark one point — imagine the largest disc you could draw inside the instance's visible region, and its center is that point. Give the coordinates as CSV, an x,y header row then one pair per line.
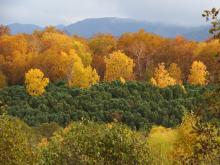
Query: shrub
x,y
15,142
91,143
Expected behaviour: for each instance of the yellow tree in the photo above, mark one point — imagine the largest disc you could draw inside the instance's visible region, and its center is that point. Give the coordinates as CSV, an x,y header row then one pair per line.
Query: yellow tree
x,y
54,55
208,52
82,52
175,72
101,45
187,137
118,65
35,82
14,57
56,41
198,74
56,69
142,47
55,45
178,50
81,76
162,77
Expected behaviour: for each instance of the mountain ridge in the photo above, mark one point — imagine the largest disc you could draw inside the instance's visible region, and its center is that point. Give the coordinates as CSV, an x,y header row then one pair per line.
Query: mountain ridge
x,y
117,26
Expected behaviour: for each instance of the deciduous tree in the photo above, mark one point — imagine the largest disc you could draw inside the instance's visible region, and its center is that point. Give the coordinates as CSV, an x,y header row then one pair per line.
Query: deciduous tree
x,y
118,65
162,77
35,82
101,45
209,53
80,75
142,47
14,57
83,53
175,72
198,74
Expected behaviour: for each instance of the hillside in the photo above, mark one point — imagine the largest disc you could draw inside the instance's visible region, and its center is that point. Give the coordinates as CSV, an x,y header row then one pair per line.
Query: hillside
x,y
23,28
116,26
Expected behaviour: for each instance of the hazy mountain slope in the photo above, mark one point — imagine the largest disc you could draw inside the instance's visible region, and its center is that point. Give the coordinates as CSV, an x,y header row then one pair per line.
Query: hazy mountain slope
x,y
117,26
23,28
198,33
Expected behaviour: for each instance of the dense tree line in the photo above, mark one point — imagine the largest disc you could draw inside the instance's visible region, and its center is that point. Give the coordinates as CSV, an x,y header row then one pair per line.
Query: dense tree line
x,y
22,52
137,104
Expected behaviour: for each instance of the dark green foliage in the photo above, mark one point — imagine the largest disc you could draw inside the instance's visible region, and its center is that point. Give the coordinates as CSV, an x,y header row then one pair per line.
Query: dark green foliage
x,y
209,111
137,104
2,108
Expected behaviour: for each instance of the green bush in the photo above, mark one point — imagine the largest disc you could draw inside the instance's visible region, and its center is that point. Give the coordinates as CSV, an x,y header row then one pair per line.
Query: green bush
x,y
16,147
92,143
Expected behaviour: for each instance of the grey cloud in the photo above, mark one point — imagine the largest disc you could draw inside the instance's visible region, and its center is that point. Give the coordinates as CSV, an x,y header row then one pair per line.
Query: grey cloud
x,y
45,12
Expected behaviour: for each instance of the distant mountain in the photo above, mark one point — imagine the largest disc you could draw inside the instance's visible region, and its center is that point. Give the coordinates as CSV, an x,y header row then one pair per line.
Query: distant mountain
x,y
60,27
198,33
116,26
23,28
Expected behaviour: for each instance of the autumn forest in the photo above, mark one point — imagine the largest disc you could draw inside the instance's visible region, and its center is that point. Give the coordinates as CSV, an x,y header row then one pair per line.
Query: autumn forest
x,y
138,98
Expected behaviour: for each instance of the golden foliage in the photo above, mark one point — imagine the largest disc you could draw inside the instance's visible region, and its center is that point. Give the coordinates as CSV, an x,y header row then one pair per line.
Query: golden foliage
x,y
81,76
198,74
162,77
142,47
102,44
208,52
175,72
56,41
57,53
35,82
118,65
14,57
56,65
84,54
183,147
122,80
43,143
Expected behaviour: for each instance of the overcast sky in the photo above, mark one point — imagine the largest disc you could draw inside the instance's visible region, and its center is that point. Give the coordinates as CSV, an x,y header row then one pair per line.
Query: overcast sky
x,y
53,12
